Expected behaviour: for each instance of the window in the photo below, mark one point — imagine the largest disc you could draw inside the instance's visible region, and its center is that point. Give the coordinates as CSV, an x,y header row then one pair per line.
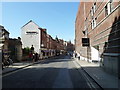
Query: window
x,y
108,8
31,32
91,11
111,5
93,24
94,7
85,25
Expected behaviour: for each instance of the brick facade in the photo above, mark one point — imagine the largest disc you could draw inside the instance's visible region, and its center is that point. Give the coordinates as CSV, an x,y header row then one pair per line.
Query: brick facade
x,y
42,42
100,22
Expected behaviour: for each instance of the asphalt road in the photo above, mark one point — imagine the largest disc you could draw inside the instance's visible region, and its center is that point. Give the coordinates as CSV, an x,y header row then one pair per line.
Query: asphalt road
x,y
52,73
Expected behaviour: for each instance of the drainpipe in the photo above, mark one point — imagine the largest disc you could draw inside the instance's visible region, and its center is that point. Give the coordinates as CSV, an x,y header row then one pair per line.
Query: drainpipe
x,y
85,27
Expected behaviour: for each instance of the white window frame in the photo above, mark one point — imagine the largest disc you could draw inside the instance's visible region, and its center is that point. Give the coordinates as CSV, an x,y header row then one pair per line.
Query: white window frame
x,y
108,7
106,10
94,24
94,8
91,12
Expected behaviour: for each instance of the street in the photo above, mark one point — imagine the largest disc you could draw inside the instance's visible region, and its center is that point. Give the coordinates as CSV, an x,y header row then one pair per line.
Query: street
x,y
60,45
51,73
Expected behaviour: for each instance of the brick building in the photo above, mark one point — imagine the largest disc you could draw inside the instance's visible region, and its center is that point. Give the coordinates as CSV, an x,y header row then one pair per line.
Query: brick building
x,y
44,49
69,47
15,48
51,45
100,23
54,46
42,42
4,38
10,47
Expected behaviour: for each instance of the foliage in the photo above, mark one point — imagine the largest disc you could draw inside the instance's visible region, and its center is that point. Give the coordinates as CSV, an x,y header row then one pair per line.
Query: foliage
x,y
26,51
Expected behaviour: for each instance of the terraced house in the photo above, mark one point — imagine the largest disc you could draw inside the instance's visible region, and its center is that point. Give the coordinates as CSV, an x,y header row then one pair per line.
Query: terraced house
x,y
99,24
43,43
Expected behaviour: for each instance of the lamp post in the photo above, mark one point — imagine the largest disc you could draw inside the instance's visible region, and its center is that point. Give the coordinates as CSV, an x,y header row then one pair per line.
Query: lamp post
x,y
42,45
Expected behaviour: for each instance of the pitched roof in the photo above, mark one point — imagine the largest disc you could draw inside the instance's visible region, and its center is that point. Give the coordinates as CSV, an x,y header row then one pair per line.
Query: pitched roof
x,y
2,27
28,23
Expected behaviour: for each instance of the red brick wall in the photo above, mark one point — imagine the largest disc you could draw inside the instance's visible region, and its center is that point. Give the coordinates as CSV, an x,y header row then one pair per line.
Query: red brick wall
x,y
99,35
44,38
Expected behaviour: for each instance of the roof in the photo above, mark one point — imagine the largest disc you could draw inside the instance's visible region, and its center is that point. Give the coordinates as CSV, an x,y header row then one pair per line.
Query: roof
x,y
28,23
2,27
14,41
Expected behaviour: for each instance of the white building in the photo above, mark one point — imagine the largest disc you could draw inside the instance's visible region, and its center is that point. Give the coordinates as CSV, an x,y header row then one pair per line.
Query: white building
x,y
31,35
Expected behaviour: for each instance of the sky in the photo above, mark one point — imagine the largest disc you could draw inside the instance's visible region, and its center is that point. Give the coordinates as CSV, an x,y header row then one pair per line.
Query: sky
x,y
57,17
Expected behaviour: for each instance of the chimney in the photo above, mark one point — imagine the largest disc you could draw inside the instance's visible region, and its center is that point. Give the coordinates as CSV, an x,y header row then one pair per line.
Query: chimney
x,y
19,38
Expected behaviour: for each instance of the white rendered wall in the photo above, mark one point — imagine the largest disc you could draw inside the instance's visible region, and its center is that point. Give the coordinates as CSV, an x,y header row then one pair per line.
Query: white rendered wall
x,y
31,39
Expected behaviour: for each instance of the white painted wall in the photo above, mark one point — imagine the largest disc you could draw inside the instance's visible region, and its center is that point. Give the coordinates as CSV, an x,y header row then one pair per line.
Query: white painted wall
x,y
94,54
31,39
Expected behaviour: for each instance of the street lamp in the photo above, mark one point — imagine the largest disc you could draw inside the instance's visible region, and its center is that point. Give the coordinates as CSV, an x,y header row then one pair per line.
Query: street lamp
x,y
42,45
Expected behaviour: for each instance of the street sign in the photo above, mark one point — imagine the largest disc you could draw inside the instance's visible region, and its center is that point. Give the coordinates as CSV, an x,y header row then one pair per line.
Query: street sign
x,y
85,42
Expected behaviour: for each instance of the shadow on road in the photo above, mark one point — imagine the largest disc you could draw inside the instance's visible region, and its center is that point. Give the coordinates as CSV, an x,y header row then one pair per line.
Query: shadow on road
x,y
62,58
46,78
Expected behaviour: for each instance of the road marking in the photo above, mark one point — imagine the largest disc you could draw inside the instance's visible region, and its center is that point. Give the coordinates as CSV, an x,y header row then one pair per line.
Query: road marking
x,y
90,84
27,67
19,69
14,72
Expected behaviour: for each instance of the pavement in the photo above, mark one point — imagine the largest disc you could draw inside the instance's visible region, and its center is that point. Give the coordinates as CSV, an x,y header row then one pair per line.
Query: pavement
x,y
23,64
17,66
104,79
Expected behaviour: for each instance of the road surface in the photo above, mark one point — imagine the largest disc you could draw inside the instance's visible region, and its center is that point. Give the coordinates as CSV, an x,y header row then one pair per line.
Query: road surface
x,y
51,73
